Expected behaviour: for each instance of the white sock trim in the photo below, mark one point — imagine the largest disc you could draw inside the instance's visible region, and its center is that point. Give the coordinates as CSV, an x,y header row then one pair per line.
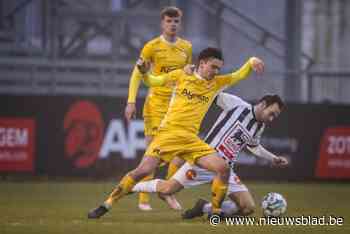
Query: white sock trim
x,y
146,186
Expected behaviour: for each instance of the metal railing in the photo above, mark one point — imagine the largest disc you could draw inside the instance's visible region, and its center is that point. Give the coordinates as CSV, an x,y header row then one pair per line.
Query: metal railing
x,y
62,77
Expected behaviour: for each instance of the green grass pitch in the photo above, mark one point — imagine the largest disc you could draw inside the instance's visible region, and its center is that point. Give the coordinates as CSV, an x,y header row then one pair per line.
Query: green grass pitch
x,y
61,207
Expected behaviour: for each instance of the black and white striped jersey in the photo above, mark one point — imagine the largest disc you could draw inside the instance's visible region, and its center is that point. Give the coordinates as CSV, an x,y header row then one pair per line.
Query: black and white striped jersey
x,y
235,128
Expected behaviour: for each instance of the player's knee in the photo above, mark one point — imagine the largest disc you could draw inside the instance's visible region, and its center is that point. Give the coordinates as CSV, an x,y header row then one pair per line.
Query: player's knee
x,y
168,187
178,162
247,208
166,190
140,173
224,171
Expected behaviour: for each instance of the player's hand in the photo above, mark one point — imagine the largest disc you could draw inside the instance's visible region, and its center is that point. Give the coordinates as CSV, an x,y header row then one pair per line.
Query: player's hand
x,y
130,111
257,65
143,65
189,69
280,161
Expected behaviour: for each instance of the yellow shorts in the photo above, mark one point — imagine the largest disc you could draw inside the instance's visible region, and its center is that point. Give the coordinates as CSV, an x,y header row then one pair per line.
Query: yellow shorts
x,y
154,110
169,144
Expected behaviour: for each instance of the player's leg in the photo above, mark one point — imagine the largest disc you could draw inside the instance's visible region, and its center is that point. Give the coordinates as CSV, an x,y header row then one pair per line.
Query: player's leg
x,y
240,195
219,187
170,198
144,198
174,165
241,202
146,167
186,176
203,206
244,201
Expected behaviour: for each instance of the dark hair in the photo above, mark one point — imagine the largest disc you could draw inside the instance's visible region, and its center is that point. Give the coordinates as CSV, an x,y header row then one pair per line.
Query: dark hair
x,y
170,11
210,53
271,99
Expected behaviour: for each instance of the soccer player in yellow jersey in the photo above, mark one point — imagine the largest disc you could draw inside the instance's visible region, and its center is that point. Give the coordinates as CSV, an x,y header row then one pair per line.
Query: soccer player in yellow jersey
x,y
178,132
166,53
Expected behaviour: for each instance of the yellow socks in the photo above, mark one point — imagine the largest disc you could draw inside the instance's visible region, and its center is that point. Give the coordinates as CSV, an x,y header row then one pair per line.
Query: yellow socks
x,y
218,189
123,188
144,198
172,168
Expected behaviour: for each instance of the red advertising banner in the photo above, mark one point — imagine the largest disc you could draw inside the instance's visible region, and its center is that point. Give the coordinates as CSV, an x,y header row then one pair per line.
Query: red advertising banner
x,y
17,141
334,156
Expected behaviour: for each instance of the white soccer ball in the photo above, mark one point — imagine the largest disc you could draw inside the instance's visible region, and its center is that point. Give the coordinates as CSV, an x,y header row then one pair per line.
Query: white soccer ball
x,y
273,204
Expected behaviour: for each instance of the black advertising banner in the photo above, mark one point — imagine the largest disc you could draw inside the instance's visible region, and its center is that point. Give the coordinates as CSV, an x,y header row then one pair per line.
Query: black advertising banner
x,y
88,137
83,136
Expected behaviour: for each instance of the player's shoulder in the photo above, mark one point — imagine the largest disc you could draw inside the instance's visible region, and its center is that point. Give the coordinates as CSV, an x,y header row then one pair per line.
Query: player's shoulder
x,y
184,43
153,42
234,100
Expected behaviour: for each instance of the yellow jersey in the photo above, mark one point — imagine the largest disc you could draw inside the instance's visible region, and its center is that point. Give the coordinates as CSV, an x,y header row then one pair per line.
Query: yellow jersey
x,y
193,96
164,57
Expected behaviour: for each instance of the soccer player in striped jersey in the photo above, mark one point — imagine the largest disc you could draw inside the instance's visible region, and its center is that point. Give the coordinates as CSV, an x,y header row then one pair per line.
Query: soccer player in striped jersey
x,y
166,53
178,132
239,126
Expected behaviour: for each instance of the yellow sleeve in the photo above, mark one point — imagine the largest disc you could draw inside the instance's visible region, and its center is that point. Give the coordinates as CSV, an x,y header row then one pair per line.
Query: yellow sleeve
x,y
161,80
136,76
189,60
147,52
235,77
155,81
134,85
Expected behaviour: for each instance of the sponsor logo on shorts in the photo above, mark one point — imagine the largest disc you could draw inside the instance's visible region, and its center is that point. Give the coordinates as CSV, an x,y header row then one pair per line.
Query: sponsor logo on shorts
x,y
191,174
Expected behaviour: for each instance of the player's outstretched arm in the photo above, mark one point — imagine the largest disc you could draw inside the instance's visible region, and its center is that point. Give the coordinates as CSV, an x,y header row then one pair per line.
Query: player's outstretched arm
x,y
253,64
261,152
155,81
149,79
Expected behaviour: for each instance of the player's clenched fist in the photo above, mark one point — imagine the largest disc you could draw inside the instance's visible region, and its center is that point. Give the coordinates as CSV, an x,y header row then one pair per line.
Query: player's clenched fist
x,y
257,65
279,161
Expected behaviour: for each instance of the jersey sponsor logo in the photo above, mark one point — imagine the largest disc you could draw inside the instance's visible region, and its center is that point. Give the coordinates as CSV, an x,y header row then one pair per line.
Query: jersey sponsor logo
x,y
83,128
234,141
187,93
228,153
167,69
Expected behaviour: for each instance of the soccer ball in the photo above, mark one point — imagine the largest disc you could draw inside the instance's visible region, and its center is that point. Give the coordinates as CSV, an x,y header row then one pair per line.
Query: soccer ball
x,y
273,204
